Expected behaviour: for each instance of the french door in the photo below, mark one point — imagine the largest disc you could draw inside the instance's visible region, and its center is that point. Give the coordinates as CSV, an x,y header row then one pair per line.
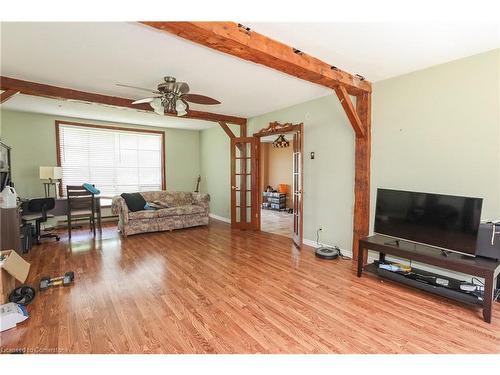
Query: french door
x,y
244,195
297,188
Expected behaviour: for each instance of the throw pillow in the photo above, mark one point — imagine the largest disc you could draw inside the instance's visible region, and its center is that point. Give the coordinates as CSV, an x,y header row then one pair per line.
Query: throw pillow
x,y
135,201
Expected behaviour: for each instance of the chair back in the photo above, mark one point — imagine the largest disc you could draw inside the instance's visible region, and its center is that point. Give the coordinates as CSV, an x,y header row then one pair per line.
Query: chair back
x,y
41,205
79,198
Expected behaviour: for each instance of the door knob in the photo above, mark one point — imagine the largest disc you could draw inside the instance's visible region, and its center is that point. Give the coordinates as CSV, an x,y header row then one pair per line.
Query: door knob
x,y
233,187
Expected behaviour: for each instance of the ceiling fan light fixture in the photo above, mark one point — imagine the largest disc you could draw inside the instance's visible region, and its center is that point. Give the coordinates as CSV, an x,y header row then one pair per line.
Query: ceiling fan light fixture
x,y
173,97
181,108
157,107
281,142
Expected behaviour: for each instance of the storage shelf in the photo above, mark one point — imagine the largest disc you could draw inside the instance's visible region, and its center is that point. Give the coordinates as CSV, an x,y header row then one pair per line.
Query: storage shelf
x,y
274,201
449,292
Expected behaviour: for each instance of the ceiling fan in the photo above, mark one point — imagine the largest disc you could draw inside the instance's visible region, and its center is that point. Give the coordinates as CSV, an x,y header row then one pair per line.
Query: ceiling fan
x,y
172,97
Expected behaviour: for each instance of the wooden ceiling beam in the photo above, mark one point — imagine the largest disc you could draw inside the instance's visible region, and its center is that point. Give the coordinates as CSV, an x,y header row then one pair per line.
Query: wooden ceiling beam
x,y
233,39
7,94
227,129
55,92
351,112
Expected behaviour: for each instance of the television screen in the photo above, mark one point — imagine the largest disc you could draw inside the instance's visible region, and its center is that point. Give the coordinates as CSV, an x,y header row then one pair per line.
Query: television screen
x,y
445,221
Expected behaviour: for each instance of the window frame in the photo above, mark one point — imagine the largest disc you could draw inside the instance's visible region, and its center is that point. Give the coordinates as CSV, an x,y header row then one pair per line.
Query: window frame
x,y
114,128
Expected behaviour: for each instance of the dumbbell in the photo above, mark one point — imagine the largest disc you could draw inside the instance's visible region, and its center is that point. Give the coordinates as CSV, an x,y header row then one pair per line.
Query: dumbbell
x,y
65,280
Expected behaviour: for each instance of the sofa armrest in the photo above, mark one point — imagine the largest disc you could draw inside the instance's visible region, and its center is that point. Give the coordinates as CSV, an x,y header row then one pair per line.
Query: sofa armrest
x,y
201,199
120,208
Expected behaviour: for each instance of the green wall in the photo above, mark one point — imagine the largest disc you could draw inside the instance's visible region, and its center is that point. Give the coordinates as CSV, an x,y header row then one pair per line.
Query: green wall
x,y
438,130
32,138
435,130
215,169
329,177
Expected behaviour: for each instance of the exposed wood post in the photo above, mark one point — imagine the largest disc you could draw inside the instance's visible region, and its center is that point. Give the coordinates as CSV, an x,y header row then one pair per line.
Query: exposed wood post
x,y
6,95
227,129
362,174
349,109
243,130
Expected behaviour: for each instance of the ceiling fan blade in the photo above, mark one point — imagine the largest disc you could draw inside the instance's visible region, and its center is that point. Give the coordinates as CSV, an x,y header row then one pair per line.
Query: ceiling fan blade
x,y
138,88
145,100
199,99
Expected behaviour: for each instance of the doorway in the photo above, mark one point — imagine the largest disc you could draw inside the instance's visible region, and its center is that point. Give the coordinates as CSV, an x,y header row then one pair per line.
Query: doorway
x,y
279,180
276,182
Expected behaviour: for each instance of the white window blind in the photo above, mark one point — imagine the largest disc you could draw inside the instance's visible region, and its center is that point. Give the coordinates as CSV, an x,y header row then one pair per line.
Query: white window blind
x,y
115,161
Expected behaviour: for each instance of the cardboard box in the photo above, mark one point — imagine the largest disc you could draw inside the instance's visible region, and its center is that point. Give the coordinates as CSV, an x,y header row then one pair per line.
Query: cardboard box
x,y
11,314
12,268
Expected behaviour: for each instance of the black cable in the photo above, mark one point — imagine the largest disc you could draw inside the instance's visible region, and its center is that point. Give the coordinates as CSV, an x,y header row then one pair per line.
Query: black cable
x,y
336,248
342,256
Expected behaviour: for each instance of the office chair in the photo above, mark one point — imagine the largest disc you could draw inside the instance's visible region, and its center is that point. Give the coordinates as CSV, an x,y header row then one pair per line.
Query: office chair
x,y
37,209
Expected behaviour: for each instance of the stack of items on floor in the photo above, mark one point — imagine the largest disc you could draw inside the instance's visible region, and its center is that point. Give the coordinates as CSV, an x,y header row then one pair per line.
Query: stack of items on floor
x,y
12,268
275,199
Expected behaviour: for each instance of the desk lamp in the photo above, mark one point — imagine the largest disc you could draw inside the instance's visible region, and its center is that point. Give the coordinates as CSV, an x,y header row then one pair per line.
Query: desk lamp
x,y
53,175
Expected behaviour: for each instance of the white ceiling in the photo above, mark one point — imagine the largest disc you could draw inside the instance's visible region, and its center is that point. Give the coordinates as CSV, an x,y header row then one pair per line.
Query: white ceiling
x,y
379,50
95,56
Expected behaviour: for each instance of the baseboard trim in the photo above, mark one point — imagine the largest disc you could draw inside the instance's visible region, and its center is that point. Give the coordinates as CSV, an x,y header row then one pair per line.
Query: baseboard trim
x,y
220,218
372,256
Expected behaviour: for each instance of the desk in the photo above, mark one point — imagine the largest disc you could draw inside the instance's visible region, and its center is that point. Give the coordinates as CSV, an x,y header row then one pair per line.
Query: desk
x,y
10,236
488,269
61,208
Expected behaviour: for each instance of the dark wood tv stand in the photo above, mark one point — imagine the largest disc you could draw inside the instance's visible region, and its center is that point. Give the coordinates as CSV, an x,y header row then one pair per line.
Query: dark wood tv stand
x,y
488,269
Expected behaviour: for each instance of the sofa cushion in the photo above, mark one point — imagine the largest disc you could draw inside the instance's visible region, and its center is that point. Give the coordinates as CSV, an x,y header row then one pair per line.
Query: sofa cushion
x,y
180,210
179,198
135,201
144,214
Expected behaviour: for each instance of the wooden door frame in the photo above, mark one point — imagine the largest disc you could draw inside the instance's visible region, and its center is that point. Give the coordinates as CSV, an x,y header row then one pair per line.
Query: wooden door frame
x,y
253,184
276,128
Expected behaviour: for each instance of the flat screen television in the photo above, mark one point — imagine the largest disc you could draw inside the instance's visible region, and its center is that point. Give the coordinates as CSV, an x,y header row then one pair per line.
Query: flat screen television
x,y
447,222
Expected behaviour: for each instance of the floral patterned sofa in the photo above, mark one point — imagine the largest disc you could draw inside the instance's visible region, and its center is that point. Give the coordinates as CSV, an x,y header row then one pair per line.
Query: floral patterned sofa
x,y
184,210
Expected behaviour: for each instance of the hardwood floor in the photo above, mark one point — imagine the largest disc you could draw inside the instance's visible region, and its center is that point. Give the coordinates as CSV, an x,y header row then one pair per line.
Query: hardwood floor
x,y
214,290
277,222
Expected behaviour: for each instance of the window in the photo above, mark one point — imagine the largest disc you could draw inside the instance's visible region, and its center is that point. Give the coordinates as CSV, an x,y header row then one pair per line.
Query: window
x,y
115,160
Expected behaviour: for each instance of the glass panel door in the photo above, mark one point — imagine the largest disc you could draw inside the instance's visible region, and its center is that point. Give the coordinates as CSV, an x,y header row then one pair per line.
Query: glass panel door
x,y
244,151
297,189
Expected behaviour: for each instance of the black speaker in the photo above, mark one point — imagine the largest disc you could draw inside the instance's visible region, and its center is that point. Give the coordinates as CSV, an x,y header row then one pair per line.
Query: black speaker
x,y
488,241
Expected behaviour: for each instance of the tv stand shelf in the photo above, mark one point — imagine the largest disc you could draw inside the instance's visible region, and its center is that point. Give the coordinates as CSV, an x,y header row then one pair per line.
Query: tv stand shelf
x,y
488,269
428,287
